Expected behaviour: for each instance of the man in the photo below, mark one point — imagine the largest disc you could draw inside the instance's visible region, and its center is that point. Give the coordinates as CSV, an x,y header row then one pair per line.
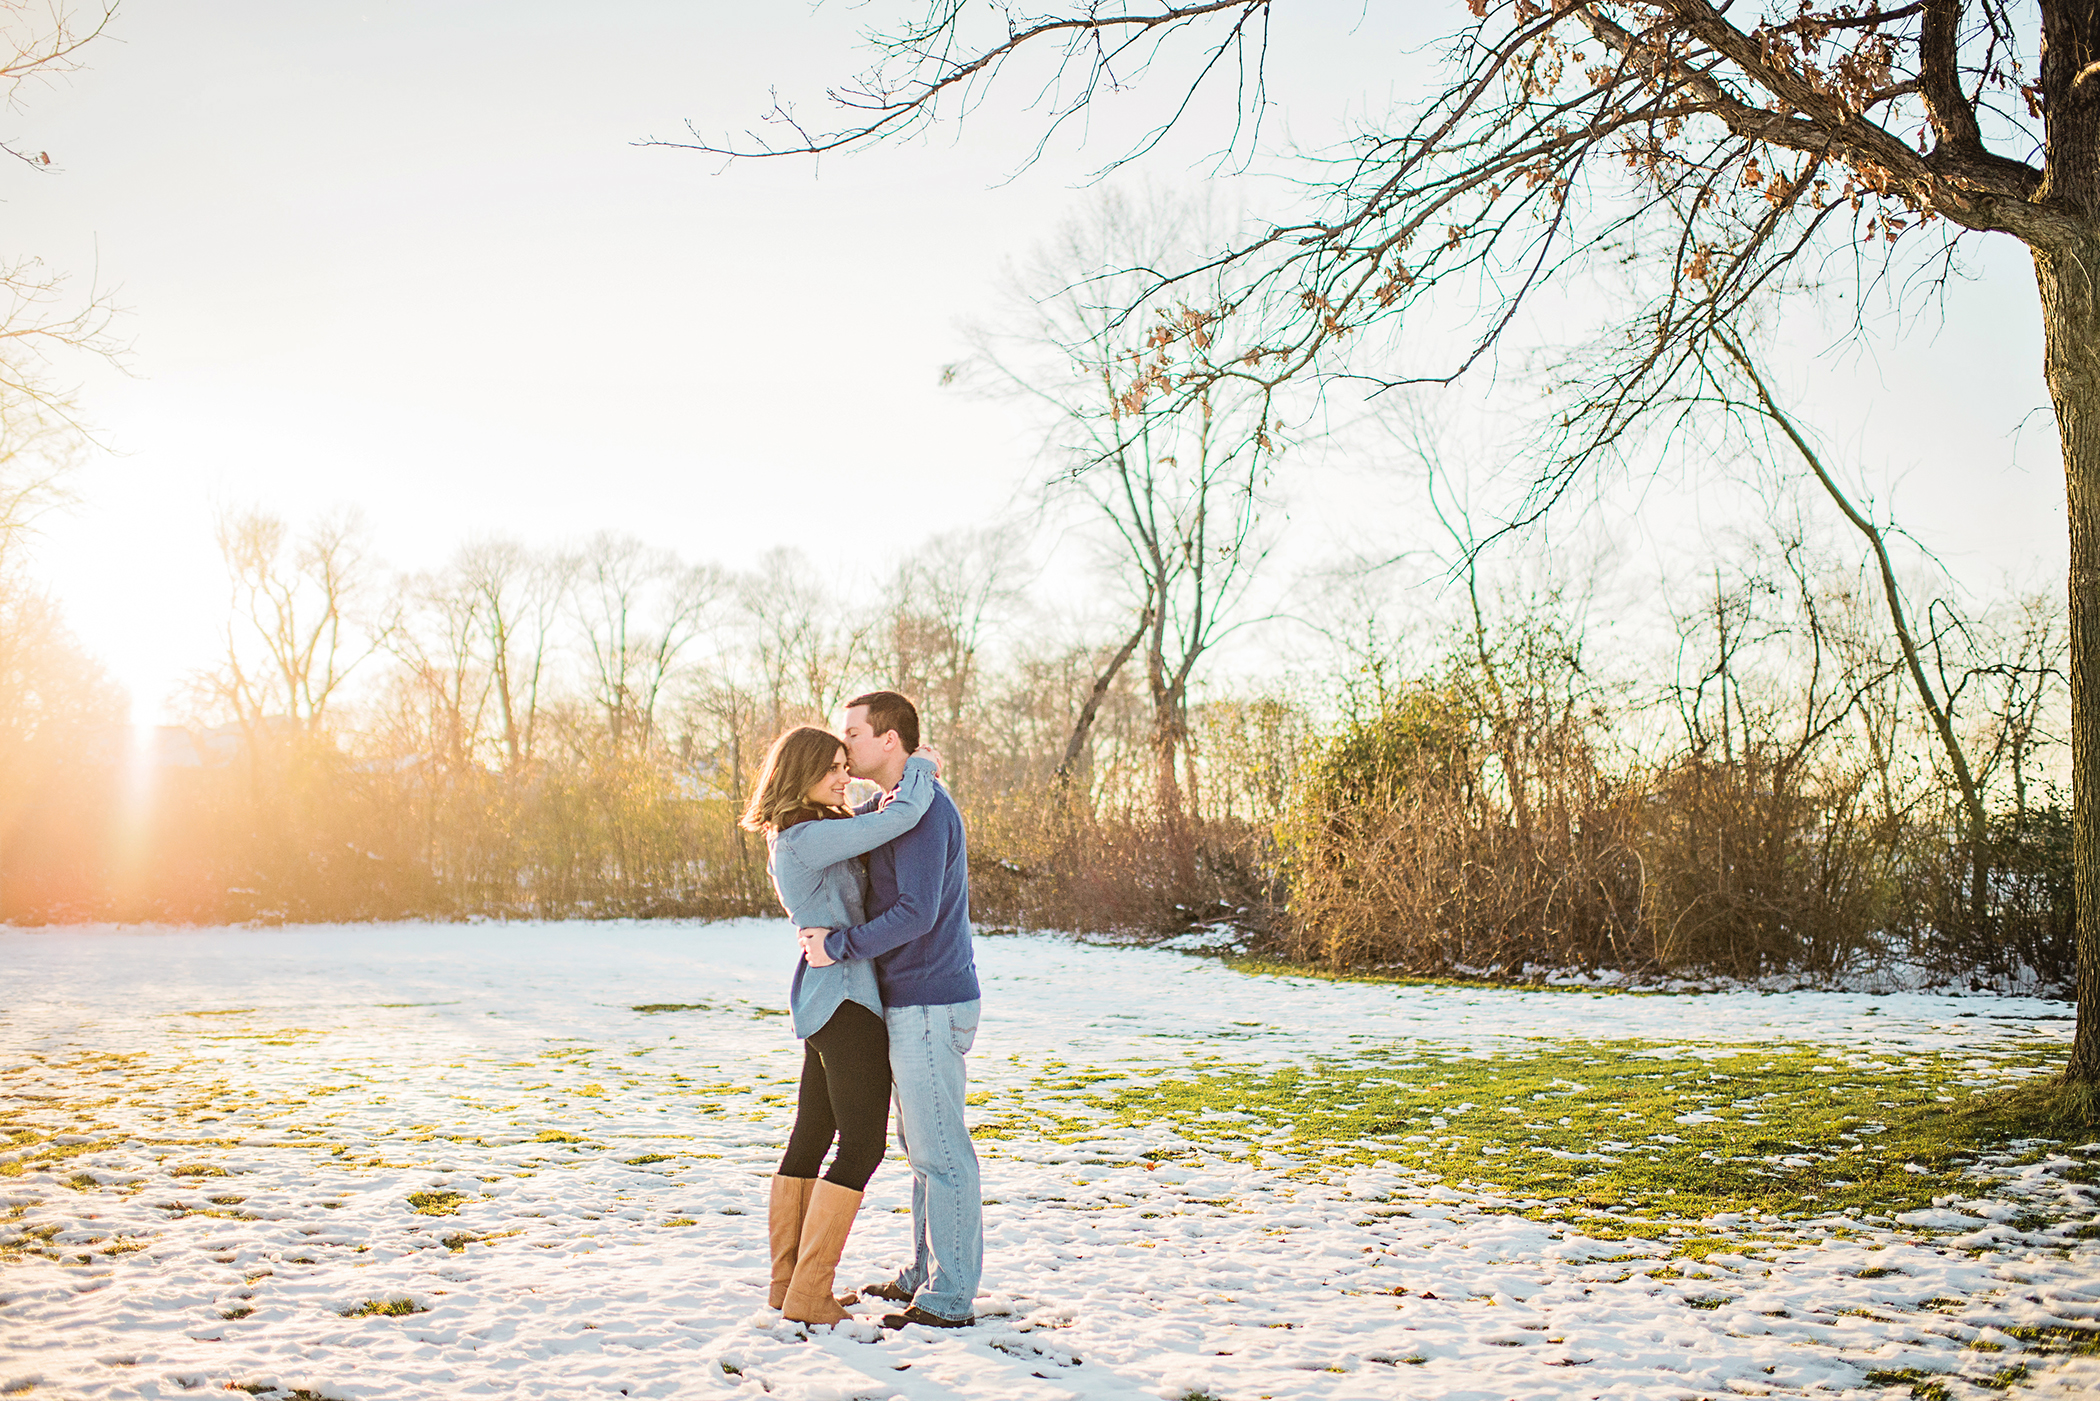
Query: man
x,y
918,933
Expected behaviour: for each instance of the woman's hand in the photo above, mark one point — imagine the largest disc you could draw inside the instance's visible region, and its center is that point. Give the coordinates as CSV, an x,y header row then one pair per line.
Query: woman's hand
x,y
812,941
928,752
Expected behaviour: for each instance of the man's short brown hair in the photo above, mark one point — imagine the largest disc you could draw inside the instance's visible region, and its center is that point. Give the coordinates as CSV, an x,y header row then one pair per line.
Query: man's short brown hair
x,y
887,711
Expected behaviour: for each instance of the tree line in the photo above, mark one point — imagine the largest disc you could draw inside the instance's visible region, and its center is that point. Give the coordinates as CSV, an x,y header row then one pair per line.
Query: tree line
x,y
1753,791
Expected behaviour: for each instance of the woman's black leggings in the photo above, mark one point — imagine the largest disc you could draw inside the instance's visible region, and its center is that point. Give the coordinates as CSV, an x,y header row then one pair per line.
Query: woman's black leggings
x,y
846,1094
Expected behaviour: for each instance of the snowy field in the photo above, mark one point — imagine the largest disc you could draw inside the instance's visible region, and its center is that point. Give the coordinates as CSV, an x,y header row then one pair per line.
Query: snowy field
x,y
407,1161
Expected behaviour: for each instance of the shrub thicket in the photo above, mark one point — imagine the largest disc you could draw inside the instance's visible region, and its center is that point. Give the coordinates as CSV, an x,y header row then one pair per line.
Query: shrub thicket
x,y
1491,817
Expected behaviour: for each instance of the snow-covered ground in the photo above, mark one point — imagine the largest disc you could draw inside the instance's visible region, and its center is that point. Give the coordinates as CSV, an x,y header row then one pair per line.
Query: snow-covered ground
x,y
258,1116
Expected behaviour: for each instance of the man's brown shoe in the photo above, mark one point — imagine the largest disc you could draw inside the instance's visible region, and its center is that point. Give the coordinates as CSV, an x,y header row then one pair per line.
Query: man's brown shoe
x,y
917,1315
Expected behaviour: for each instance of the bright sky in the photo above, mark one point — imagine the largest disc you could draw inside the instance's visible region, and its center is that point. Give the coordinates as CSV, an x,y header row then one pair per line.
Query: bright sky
x,y
405,257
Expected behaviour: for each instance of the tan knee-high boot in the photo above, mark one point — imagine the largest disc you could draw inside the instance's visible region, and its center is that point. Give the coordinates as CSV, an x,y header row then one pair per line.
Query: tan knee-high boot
x,y
826,1223
784,1212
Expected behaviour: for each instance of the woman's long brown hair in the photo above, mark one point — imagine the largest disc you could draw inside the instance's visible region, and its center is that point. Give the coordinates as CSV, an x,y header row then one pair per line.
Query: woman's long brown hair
x,y
794,764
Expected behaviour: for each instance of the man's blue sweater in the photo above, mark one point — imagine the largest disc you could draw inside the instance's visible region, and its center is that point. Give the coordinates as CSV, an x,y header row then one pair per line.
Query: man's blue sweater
x,y
918,931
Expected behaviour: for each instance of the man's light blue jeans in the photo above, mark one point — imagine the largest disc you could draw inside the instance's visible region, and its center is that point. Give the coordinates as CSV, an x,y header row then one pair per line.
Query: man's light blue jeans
x,y
927,1046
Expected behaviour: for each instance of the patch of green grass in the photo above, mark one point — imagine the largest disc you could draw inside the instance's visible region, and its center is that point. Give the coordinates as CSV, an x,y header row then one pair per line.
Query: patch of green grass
x,y
1665,1131
83,1182
680,1221
42,1154
198,1170
648,1158
1699,1247
650,1007
2055,1338
34,1240
1924,1386
436,1203
557,1136
385,1308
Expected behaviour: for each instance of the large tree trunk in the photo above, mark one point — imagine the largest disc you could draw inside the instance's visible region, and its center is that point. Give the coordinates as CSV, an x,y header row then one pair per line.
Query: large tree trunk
x,y
2067,279
1167,740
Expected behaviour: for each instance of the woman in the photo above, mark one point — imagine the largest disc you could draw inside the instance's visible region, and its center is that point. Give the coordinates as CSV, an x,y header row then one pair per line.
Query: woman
x,y
813,842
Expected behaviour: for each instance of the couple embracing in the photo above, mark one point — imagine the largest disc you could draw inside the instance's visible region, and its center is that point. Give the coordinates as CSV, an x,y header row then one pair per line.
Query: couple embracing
x,y
885,995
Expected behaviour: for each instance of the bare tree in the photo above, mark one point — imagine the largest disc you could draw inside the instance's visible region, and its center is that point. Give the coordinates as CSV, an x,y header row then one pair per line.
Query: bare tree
x,y
641,609
438,645
946,597
718,742
1110,666
41,322
36,455
520,597
1938,710
1568,132
2024,669
296,628
807,645
1173,483
1980,686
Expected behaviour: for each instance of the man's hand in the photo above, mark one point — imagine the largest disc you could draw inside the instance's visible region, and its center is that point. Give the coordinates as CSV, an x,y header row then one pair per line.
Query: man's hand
x,y
812,941
928,752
